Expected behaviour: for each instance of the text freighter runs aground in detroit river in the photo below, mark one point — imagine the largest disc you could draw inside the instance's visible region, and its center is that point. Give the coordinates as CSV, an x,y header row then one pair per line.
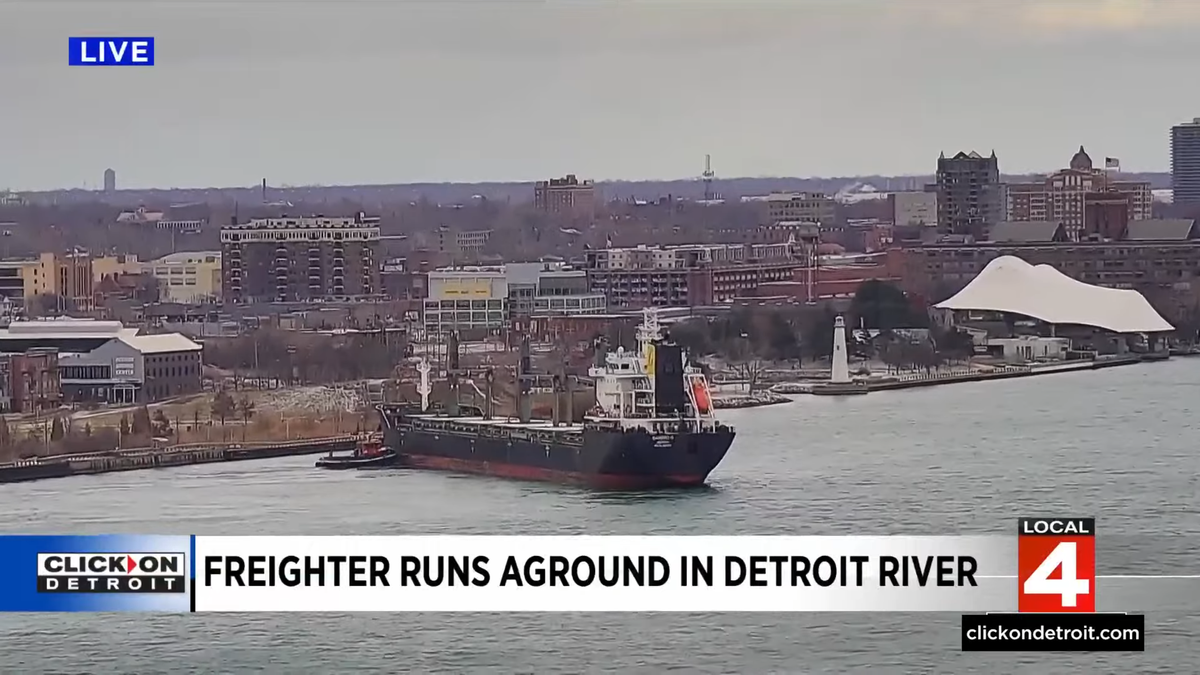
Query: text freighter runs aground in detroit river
x,y
653,426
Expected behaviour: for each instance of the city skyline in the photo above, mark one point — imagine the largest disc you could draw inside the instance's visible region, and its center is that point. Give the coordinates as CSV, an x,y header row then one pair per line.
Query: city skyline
x,y
363,93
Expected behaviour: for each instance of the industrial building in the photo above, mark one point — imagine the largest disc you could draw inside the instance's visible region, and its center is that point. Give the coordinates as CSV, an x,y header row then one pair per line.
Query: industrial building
x,y
301,259
103,361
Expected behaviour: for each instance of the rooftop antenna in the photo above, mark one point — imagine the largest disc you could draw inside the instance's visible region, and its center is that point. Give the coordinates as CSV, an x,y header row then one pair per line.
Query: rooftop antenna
x,y
708,176
264,190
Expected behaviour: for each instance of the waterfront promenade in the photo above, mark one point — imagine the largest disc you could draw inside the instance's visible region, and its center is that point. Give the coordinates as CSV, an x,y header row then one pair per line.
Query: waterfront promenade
x,y
975,373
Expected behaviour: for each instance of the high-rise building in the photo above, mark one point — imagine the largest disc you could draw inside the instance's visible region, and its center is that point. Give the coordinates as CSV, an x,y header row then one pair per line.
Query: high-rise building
x,y
110,180
969,193
1185,162
300,259
567,195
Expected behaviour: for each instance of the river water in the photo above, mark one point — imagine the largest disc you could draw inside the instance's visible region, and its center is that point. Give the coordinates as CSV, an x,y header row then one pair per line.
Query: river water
x,y
964,458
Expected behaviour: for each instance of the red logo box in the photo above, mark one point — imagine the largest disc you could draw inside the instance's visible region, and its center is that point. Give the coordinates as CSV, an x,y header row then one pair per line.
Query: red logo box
x,y
1056,565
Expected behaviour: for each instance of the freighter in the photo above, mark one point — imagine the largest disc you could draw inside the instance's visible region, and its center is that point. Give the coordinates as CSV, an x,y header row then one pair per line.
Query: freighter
x,y
652,427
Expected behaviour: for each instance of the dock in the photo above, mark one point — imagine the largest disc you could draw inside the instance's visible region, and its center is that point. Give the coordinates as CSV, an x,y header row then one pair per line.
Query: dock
x,y
133,459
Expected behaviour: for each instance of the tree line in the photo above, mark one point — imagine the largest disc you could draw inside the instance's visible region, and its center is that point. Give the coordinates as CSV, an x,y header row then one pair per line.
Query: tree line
x,y
798,333
307,358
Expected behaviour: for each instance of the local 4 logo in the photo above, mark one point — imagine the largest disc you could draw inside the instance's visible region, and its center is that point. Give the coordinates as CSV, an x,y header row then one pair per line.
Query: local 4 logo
x,y
1056,565
111,573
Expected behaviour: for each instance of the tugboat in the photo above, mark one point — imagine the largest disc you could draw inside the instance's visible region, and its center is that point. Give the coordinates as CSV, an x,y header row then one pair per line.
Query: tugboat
x,y
370,453
653,425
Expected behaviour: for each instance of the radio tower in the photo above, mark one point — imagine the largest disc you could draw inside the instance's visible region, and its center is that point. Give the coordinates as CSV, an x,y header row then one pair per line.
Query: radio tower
x,y
708,176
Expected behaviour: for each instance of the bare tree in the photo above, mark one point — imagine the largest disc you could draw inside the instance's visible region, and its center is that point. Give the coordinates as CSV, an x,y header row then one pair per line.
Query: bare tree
x,y
245,409
223,407
749,371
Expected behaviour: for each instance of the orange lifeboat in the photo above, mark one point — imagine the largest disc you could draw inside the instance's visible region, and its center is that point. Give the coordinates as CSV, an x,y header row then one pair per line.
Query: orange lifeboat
x,y
703,400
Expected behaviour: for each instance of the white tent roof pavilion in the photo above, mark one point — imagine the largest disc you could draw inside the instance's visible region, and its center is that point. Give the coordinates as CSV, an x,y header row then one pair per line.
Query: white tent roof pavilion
x,y
1009,284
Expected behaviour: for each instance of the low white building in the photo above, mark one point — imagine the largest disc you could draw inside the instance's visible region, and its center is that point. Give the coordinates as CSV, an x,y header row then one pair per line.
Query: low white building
x,y
1023,348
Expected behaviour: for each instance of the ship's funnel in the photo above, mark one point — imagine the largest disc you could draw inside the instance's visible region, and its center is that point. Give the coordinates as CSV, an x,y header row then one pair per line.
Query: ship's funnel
x,y
669,395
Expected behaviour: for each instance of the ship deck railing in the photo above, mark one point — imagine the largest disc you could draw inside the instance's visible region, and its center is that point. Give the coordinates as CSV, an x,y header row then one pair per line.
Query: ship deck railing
x,y
502,430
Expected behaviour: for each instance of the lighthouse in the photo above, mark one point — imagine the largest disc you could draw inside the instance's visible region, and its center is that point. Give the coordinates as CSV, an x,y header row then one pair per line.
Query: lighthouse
x,y
839,383
840,367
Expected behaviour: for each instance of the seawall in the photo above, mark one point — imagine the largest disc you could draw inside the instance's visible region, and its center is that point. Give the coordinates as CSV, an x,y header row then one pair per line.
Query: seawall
x,y
153,458
1002,373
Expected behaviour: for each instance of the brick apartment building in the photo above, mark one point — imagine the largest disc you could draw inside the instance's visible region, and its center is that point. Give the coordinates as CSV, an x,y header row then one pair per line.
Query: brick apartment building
x,y
799,207
1147,255
29,381
300,259
1068,195
567,195
688,276
837,277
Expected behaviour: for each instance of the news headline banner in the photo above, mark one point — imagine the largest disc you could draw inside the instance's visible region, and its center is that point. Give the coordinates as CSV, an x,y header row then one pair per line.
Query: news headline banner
x,y
603,573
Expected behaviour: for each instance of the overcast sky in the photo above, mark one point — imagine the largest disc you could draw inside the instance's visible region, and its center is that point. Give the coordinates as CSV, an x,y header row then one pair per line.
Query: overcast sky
x,y
385,91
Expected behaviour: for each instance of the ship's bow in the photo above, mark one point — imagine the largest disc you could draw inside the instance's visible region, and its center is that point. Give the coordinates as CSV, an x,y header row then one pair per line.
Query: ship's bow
x,y
644,461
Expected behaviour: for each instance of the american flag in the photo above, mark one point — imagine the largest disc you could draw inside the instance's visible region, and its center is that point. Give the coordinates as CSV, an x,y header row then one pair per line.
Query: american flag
x,y
1112,163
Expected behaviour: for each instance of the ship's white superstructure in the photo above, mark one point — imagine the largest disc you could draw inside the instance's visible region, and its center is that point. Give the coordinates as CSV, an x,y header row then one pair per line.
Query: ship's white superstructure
x,y
625,392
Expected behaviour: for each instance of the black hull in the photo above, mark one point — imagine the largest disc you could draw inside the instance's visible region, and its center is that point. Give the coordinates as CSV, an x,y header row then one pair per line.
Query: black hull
x,y
595,458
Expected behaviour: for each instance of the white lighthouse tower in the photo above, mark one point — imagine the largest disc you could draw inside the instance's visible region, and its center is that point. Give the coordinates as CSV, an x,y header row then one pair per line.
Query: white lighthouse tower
x,y
839,383
840,368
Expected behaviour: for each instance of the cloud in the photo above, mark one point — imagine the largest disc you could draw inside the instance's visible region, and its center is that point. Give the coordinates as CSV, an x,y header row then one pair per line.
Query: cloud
x,y
1044,18
1108,15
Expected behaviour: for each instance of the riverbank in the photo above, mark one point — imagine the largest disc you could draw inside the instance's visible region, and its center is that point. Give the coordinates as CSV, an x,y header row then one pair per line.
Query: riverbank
x,y
61,466
755,400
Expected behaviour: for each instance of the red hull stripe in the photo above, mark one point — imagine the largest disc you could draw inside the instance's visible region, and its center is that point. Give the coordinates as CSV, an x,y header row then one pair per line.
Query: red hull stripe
x,y
604,481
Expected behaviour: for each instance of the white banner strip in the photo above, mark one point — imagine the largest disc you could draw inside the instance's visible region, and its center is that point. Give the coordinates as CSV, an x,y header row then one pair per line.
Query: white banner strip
x,y
605,574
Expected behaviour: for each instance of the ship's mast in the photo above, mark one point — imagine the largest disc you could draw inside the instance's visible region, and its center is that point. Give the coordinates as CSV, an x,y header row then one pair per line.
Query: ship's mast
x,y
424,388
648,333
